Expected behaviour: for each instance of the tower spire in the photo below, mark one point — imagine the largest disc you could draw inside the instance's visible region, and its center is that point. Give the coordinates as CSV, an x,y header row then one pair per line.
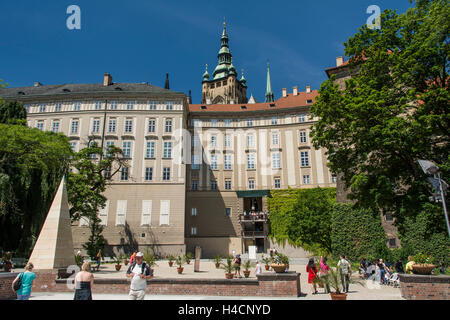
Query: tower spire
x,y
269,92
166,85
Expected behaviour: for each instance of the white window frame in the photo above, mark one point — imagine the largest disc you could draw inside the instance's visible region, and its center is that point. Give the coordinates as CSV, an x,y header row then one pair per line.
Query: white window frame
x,y
121,212
164,213
146,215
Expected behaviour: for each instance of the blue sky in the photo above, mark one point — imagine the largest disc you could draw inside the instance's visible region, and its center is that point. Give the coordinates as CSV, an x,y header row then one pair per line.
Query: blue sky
x,y
141,41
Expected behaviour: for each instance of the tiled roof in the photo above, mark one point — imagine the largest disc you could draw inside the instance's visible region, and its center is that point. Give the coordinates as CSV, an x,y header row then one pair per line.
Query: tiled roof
x,y
290,101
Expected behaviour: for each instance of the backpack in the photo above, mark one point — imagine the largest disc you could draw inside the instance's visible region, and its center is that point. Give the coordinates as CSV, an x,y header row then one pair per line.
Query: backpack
x,y
344,267
18,283
142,268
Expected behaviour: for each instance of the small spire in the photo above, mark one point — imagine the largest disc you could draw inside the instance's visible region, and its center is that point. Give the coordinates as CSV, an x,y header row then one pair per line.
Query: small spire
x,y
269,92
166,85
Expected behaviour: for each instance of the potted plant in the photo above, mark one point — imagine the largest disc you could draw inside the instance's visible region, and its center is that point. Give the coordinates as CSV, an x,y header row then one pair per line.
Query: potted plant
x,y
334,279
118,265
78,260
267,261
422,264
280,262
217,260
179,262
247,265
7,264
171,259
188,256
228,267
150,260
126,259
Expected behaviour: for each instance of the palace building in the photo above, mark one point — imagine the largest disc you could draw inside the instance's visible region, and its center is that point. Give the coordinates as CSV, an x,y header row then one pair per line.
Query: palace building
x,y
199,174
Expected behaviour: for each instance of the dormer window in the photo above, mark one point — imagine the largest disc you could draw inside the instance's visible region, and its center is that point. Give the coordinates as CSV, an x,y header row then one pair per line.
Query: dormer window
x,y
243,107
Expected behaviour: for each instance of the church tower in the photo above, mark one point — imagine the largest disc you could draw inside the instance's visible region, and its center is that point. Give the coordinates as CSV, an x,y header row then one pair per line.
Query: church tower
x,y
224,87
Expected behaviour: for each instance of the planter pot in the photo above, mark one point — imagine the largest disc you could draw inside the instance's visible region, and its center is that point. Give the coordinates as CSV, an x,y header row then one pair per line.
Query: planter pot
x,y
278,268
125,262
188,261
118,266
8,267
423,268
338,296
246,273
229,275
267,267
180,270
217,265
170,263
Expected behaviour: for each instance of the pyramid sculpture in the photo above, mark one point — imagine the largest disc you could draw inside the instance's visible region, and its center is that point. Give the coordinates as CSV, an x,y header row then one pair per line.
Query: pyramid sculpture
x,y
54,247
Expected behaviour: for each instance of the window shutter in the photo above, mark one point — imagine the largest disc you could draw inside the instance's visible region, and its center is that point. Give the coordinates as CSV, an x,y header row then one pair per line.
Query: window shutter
x,y
103,214
121,212
146,212
164,212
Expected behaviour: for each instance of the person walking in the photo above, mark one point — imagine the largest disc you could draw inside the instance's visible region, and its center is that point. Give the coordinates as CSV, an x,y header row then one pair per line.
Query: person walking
x,y
323,272
133,257
258,267
312,274
84,281
382,267
99,259
27,278
344,267
237,266
139,272
399,267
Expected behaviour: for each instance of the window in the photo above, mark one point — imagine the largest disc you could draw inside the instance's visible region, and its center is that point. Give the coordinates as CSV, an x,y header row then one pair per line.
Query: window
x,y
98,105
40,125
27,108
74,127
55,126
193,212
227,162
214,165
251,161
126,149
250,140
388,216
303,137
112,125
107,174
150,149
152,105
95,125
151,125
251,184
301,118
196,123
274,139
249,122
228,212
227,122
304,158
73,145
227,140
213,122
193,231
274,120
148,173
166,174
121,212
196,141
146,213
113,105
333,178
76,106
306,179
169,105
213,141
42,108
108,144
277,183
128,125
227,184
392,242
103,214
130,105
213,185
195,164
124,174
276,162
168,127
164,212
167,150
57,107
93,144
194,185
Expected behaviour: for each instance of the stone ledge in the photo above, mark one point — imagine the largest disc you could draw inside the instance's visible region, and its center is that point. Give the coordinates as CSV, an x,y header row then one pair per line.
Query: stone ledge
x,y
419,278
286,276
9,274
174,281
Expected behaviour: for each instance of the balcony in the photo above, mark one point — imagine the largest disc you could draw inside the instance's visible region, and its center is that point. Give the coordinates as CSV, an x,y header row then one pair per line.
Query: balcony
x,y
253,234
253,217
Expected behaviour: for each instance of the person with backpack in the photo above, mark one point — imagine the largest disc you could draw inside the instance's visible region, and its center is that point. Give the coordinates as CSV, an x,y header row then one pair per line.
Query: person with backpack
x,y
323,272
23,282
312,274
237,266
139,272
344,267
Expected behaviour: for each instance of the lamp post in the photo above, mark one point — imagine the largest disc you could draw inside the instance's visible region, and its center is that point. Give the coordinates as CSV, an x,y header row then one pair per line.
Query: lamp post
x,y
432,169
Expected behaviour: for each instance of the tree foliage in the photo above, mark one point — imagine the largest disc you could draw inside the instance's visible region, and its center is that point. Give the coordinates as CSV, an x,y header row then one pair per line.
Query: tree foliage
x,y
392,112
302,217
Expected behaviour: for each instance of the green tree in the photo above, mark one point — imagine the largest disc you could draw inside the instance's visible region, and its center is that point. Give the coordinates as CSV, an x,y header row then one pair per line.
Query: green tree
x,y
392,112
303,217
12,112
32,164
86,185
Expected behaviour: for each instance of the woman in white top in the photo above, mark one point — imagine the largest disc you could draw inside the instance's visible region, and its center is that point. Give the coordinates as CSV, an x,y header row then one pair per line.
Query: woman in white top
x,y
258,267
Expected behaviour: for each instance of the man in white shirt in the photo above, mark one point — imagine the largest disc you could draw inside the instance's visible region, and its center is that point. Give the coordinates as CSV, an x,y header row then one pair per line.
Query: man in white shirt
x,y
139,272
344,267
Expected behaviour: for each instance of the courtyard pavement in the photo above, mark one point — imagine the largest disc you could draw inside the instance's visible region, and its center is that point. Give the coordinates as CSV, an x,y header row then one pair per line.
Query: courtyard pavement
x,y
370,290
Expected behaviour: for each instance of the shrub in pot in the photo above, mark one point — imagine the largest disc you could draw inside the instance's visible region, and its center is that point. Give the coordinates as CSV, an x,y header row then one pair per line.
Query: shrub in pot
x,y
150,260
217,261
280,262
228,267
179,262
334,279
422,264
171,259
188,256
247,265
267,261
